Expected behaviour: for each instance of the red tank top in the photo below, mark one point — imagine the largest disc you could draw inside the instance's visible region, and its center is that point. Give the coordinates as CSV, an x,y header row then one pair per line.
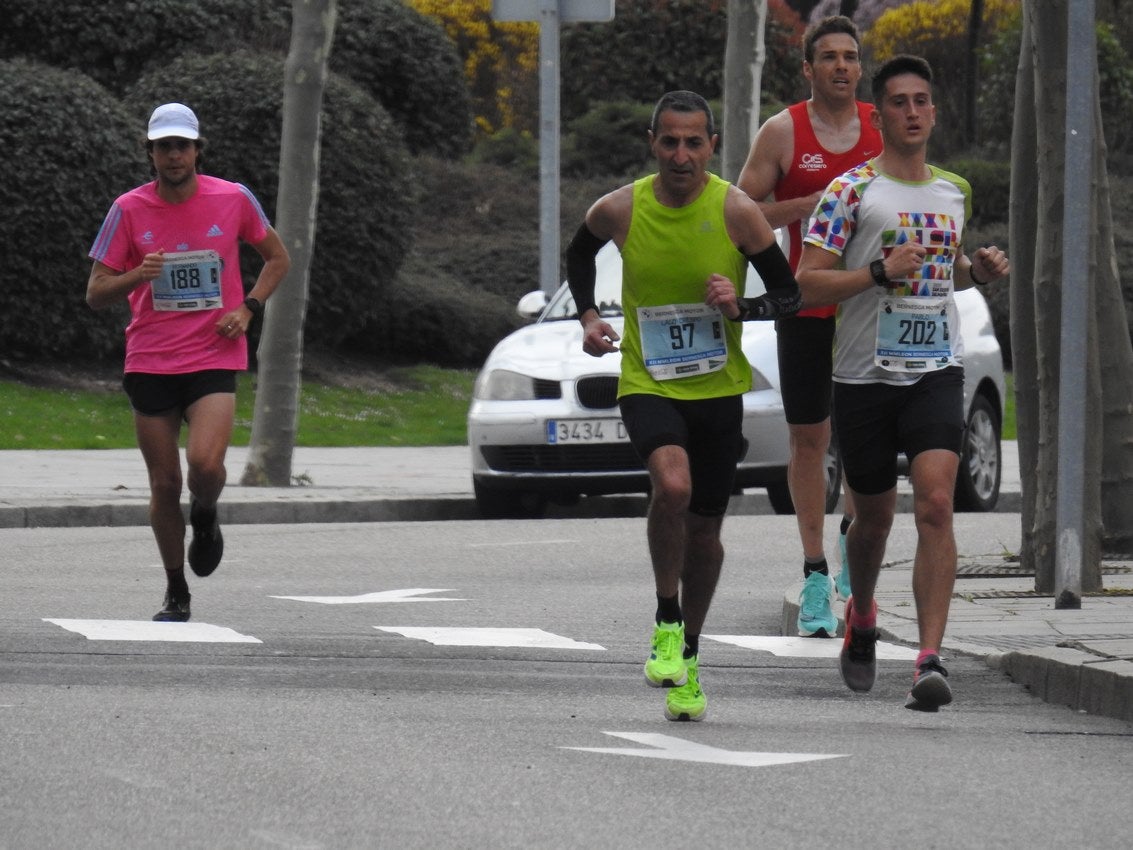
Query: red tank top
x,y
812,169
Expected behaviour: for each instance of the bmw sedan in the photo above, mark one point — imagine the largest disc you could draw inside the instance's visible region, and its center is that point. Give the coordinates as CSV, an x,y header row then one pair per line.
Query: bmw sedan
x,y
544,426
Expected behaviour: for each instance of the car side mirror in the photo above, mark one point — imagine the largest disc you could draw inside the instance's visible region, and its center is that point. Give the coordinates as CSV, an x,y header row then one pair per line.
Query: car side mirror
x,y
532,304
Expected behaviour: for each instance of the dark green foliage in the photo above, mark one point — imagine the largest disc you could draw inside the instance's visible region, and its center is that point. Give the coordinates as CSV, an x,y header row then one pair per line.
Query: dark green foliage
x,y
611,138
366,197
114,43
437,318
406,61
651,47
996,101
655,46
70,149
508,148
479,225
991,187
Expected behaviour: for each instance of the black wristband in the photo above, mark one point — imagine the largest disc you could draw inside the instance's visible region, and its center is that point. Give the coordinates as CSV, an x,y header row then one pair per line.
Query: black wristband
x,y
877,272
254,305
972,277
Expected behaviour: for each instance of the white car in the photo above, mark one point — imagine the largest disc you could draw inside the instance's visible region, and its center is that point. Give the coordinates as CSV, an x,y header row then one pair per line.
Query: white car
x,y
544,424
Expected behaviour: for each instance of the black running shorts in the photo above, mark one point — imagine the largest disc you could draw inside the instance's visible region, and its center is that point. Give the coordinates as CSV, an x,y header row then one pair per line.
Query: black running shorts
x,y
709,430
877,421
806,360
155,395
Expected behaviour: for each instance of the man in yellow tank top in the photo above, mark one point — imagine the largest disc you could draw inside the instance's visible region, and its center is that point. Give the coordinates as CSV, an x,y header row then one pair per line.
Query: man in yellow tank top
x,y
686,237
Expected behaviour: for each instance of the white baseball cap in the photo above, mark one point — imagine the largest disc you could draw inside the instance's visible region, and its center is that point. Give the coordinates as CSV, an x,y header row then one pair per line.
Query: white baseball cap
x,y
173,119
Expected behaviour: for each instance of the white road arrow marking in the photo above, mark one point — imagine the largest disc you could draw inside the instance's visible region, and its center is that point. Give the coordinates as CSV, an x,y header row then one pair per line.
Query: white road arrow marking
x,y
800,647
411,594
445,636
677,749
150,631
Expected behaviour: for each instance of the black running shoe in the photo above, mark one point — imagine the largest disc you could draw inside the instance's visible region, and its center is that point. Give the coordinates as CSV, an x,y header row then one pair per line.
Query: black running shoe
x,y
173,610
859,656
207,546
930,686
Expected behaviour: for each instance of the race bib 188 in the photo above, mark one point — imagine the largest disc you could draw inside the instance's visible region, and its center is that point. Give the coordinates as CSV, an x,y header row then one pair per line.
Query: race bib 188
x,y
189,280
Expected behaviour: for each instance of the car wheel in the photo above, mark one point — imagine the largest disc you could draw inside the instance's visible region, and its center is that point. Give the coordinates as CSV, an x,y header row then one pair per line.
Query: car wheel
x,y
779,493
981,461
507,504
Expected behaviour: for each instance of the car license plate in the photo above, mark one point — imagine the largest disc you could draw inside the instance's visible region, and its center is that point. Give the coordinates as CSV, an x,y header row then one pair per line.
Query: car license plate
x,y
563,431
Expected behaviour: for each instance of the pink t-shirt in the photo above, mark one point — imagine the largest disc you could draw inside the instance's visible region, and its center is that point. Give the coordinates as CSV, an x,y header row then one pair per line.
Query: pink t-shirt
x,y
218,216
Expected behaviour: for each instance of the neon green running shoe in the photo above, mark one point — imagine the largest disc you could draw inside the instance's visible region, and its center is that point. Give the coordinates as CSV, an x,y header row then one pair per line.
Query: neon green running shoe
x,y
666,665
687,702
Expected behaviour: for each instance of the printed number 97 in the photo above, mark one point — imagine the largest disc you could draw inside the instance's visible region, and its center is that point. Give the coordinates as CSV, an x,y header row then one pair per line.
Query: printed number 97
x,y
681,336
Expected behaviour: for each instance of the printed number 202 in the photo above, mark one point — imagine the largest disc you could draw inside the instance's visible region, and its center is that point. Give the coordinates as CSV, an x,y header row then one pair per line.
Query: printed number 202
x,y
918,332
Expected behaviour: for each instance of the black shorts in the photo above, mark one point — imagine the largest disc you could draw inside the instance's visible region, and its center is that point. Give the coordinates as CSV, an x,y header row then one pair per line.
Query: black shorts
x,y
709,430
876,421
154,395
806,361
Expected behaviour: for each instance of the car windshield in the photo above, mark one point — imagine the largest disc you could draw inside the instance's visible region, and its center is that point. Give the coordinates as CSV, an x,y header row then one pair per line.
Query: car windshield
x,y
608,288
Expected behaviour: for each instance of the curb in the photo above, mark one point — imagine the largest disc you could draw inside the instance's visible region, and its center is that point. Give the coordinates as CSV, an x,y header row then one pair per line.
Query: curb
x,y
303,508
1060,675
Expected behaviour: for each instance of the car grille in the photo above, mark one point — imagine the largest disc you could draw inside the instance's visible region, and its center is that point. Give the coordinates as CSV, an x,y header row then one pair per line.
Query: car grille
x,y
598,393
609,457
547,389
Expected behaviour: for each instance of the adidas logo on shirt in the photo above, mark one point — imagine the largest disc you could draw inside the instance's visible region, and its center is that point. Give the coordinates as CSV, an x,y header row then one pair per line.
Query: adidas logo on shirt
x,y
215,231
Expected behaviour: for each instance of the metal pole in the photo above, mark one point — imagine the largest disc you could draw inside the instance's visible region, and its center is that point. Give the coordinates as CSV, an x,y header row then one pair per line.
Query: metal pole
x,y
549,145
1075,288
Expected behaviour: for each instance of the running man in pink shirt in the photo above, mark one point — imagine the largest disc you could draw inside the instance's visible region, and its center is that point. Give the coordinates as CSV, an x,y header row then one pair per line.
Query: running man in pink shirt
x,y
170,248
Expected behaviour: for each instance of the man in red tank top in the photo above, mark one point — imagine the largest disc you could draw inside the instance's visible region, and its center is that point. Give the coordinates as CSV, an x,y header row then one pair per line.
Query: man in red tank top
x,y
795,155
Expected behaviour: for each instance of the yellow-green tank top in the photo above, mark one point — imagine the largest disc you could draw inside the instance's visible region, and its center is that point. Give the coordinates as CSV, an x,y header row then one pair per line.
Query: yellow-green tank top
x,y
668,255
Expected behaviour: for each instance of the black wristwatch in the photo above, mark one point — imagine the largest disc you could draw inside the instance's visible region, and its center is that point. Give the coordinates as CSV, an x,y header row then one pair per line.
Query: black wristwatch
x,y
877,272
254,305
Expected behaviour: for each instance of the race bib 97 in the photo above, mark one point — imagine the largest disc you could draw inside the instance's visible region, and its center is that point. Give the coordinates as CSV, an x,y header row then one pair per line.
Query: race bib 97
x,y
679,340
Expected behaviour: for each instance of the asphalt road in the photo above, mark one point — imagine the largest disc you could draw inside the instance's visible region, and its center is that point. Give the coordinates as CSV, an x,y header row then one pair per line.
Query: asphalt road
x,y
325,721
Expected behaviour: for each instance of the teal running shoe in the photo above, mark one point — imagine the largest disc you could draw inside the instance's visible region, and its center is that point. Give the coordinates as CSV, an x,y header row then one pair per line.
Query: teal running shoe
x,y
666,665
687,702
842,582
816,612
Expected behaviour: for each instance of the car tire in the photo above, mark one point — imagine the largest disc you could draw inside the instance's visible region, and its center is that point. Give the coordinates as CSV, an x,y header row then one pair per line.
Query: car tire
x,y
981,459
779,493
507,504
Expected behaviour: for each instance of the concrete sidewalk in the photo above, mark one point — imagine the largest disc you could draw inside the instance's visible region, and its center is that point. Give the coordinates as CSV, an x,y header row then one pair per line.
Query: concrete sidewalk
x,y
1081,658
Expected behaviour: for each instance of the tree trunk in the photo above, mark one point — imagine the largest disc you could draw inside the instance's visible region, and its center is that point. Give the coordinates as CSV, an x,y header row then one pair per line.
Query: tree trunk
x,y
1037,224
971,71
744,55
1116,375
276,417
1023,224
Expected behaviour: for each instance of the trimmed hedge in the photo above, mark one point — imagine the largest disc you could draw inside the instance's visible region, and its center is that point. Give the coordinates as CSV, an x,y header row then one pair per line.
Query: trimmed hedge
x,y
366,188
410,65
70,150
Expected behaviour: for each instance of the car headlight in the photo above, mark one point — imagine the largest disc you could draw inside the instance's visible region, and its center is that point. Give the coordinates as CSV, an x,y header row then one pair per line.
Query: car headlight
x,y
758,382
504,385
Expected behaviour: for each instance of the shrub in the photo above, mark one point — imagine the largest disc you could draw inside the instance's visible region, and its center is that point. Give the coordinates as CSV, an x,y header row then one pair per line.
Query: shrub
x,y
406,61
115,43
366,190
71,149
991,187
608,139
508,148
436,318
